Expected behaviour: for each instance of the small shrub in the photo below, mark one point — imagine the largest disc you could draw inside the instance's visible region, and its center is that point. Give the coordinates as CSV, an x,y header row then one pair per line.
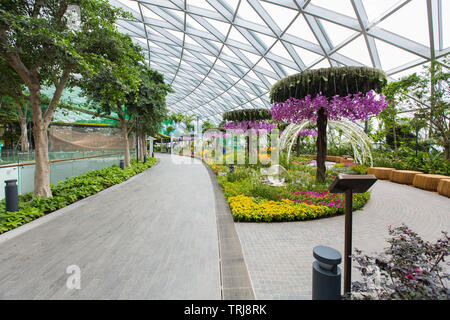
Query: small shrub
x,y
409,269
266,192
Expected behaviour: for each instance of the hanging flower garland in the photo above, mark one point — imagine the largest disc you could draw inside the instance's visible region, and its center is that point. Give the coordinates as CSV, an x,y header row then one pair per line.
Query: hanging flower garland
x,y
353,106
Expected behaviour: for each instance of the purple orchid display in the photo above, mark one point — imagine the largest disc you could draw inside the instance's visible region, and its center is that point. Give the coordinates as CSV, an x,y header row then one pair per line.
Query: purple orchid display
x,y
353,107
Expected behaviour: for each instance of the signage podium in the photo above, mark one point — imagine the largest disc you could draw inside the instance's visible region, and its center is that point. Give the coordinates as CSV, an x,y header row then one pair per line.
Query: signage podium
x,y
349,184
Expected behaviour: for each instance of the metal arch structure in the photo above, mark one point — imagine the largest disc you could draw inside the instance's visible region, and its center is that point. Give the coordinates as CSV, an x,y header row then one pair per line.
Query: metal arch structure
x,y
190,42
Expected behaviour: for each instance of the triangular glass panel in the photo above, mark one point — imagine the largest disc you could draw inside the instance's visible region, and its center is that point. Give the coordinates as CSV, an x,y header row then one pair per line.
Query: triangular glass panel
x,y
192,23
281,15
392,56
357,50
445,24
413,11
267,41
337,33
341,6
246,12
307,56
301,29
376,9
280,50
147,12
223,27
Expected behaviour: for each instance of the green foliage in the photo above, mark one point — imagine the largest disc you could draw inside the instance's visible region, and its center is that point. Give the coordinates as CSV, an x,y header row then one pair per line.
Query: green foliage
x,y
66,192
330,81
236,176
266,192
247,115
149,102
426,162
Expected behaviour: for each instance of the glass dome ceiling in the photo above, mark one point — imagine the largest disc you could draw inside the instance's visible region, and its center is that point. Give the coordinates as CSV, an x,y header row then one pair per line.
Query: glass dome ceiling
x,y
220,55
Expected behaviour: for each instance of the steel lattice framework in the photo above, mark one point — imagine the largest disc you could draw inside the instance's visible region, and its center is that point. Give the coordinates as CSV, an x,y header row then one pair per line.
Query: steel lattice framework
x,y
222,55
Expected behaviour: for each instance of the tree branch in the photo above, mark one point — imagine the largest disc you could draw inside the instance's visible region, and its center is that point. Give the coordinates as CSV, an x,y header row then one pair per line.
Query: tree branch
x,y
57,96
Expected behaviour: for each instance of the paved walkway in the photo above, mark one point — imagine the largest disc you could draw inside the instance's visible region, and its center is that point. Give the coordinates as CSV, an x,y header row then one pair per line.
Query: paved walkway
x,y
279,255
166,234
152,237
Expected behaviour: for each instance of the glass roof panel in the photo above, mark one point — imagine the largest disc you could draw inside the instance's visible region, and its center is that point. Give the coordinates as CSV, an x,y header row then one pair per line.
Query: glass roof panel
x,y
268,40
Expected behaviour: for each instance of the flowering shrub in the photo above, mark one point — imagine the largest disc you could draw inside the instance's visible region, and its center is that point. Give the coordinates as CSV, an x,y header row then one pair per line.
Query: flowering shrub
x,y
251,200
246,208
409,269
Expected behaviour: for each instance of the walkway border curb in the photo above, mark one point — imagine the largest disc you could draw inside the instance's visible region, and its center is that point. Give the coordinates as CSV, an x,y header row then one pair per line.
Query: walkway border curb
x,y
53,215
235,279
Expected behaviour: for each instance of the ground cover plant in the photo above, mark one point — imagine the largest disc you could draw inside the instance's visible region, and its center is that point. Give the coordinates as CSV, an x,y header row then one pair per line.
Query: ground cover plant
x,y
66,192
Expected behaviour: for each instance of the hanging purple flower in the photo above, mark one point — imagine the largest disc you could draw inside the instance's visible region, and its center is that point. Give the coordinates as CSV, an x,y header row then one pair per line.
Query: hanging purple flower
x,y
308,132
353,107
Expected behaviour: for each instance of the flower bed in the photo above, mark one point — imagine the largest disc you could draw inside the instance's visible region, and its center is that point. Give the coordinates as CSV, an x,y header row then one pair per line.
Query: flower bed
x,y
251,200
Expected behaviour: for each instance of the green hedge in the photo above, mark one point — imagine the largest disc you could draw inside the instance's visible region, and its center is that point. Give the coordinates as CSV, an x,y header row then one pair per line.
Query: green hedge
x,y
66,192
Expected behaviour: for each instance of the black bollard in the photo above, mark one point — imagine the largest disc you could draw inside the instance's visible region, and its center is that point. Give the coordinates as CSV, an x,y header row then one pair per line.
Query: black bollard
x,y
122,164
145,158
11,195
326,274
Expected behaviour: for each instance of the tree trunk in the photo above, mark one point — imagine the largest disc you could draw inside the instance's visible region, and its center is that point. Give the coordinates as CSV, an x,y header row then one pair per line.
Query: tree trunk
x,y
42,166
321,144
126,142
143,148
395,141
24,135
298,146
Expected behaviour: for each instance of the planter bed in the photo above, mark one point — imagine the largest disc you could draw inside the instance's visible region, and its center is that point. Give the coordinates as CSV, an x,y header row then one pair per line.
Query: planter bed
x,y
403,176
381,172
428,182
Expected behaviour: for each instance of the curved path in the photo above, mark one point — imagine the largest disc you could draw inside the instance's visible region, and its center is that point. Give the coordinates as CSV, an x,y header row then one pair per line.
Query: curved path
x,y
279,255
154,236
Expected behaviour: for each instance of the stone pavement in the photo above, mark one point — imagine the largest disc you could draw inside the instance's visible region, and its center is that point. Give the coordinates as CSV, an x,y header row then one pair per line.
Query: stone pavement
x,y
279,255
151,237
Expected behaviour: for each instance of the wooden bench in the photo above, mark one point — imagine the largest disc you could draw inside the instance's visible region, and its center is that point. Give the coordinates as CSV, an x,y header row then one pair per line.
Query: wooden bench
x,y
443,187
428,182
403,176
380,172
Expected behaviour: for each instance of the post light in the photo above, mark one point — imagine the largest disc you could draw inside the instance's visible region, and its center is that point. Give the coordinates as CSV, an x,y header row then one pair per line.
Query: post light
x,y
11,195
326,274
349,184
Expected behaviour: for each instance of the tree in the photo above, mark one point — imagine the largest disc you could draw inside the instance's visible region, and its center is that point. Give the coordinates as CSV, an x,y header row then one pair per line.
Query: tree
x,y
327,93
13,87
39,44
428,95
115,87
148,103
206,125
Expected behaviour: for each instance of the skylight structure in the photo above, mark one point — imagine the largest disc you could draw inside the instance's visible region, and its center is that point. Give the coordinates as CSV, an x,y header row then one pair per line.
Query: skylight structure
x,y
221,55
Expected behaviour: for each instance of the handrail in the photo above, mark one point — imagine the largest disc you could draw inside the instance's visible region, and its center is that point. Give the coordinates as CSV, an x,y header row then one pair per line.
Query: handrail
x,y
58,160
